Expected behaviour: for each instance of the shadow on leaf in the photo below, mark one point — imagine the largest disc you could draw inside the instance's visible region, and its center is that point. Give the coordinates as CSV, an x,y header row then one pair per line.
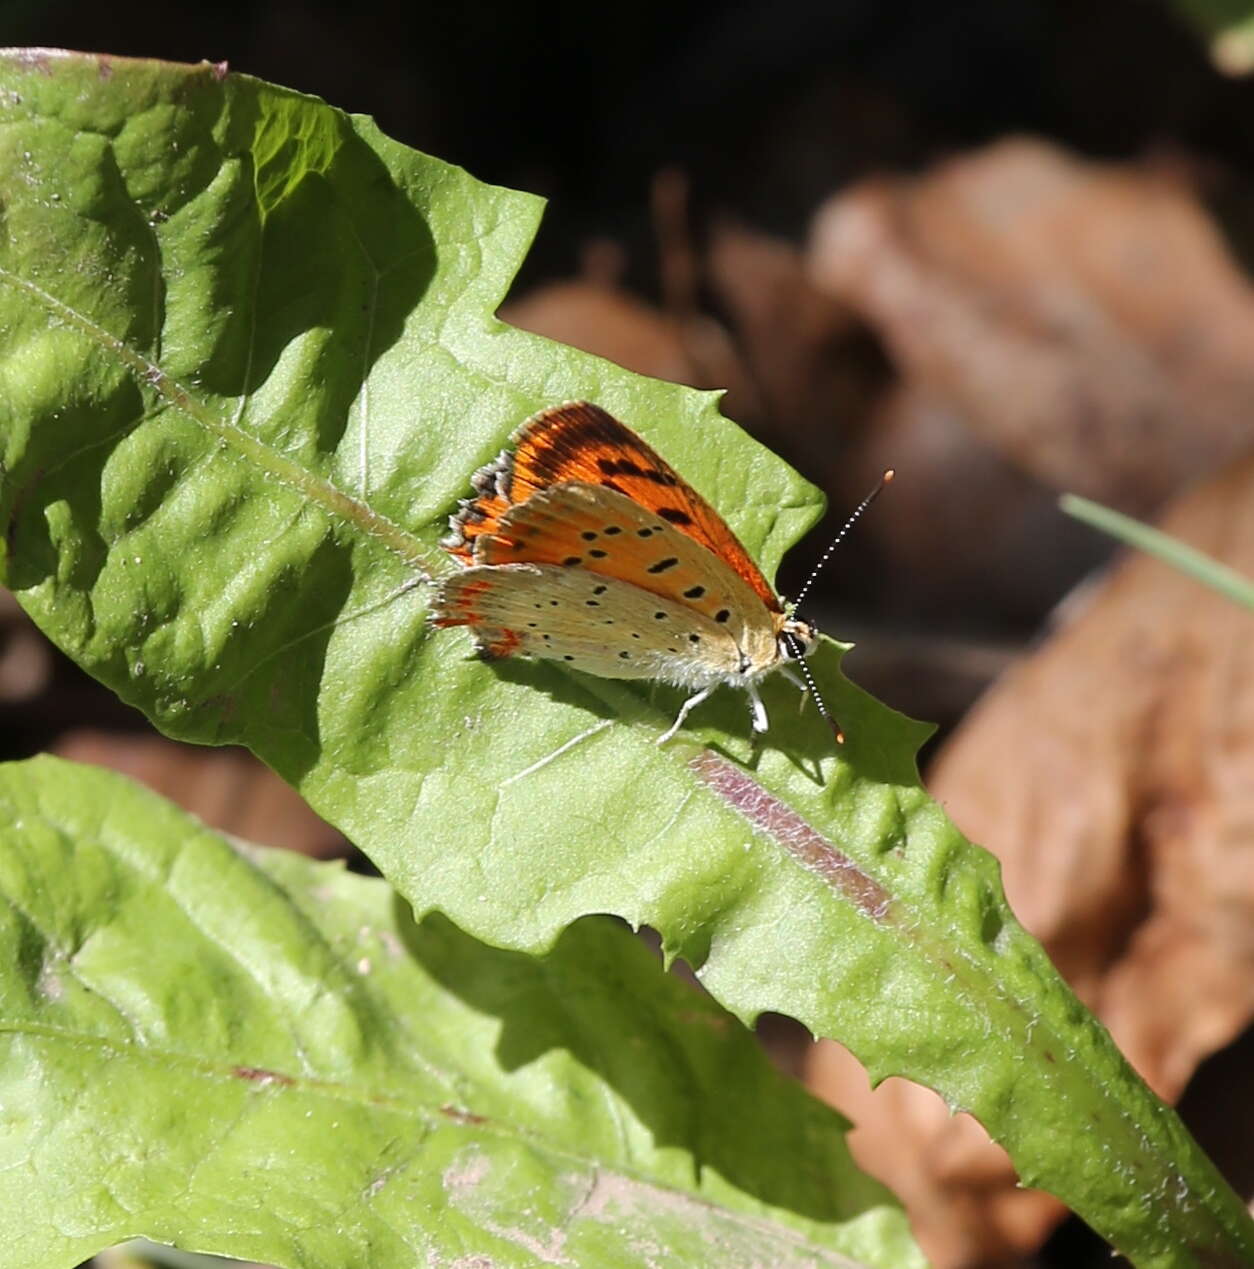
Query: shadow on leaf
x,y
690,1073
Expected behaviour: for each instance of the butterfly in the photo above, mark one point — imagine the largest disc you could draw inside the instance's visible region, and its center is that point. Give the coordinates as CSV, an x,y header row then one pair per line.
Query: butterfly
x,y
583,546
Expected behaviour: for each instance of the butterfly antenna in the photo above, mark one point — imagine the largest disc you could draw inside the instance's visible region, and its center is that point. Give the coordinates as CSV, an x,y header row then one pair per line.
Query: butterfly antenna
x,y
885,479
813,688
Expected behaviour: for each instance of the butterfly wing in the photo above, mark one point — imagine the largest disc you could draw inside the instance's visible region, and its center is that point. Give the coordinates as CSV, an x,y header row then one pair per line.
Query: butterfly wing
x,y
591,527
581,443
593,623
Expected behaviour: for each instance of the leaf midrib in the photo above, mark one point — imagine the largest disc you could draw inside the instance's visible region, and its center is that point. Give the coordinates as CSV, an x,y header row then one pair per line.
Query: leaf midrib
x,y
318,490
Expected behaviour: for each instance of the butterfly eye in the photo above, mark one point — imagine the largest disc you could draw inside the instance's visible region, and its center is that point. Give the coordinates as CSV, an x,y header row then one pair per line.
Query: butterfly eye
x,y
797,640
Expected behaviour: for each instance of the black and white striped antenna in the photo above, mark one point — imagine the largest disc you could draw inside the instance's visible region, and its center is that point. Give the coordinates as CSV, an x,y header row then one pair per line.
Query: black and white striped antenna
x,y
855,515
795,646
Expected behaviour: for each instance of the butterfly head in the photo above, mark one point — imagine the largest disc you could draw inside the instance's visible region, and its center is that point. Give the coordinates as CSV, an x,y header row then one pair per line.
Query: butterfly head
x,y
797,639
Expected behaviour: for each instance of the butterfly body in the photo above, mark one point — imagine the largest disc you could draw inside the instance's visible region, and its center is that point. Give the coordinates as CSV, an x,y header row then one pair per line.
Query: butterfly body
x,y
584,547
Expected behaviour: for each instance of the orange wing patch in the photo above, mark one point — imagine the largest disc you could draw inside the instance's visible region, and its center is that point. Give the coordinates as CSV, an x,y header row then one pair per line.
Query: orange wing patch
x,y
482,513
580,442
468,604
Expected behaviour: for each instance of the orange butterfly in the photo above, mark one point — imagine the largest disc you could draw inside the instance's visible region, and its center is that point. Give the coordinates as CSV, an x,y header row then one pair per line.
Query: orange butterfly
x,y
583,546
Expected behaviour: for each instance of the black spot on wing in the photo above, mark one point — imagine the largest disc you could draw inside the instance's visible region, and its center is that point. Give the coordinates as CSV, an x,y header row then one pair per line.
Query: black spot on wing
x,y
674,515
626,467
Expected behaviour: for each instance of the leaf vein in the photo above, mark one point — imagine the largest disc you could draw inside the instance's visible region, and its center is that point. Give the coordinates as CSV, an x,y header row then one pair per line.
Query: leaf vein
x,y
333,500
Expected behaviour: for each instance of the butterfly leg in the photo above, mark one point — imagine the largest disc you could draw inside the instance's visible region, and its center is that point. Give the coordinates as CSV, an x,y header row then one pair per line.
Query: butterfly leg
x,y
758,712
690,704
798,682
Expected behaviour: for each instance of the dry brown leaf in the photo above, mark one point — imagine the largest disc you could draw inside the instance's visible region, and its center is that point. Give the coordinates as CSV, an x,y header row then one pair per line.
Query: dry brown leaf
x,y
961,520
607,321
25,661
227,788
958,1188
599,317
1111,774
1085,319
793,339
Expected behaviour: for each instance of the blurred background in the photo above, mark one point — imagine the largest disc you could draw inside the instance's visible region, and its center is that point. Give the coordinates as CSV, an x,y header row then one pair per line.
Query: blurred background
x,y
1000,245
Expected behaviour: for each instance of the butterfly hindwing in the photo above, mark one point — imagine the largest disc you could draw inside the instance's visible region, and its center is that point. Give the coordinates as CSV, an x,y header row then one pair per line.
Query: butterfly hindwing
x,y
581,443
597,624
597,529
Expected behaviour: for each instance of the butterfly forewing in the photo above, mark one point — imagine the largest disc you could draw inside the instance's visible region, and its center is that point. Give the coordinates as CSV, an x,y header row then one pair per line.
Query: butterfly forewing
x,y
580,442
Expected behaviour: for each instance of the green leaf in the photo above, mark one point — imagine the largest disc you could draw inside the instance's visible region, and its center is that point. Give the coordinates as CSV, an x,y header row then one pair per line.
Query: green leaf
x,y
249,365
1190,561
240,1051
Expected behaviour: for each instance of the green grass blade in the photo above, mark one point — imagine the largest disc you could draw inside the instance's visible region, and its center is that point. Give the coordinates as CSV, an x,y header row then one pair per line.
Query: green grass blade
x,y
248,362
240,1051
1190,561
